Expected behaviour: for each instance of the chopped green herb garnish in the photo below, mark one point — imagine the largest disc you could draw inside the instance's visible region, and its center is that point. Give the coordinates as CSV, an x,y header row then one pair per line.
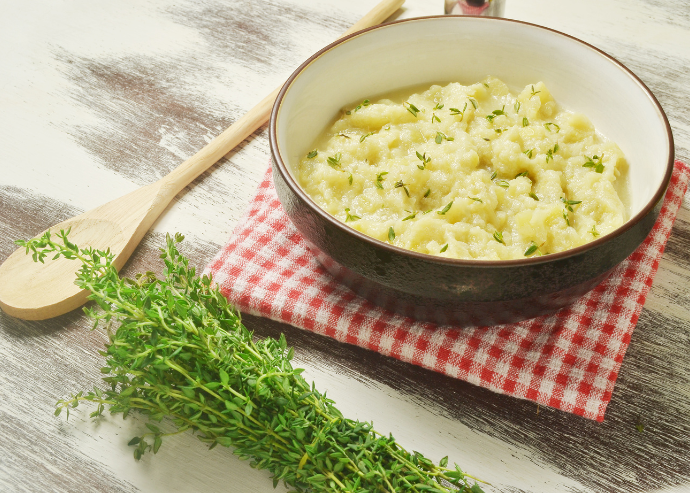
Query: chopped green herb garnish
x,y
595,162
500,130
476,199
341,134
400,184
534,196
496,113
440,136
411,216
411,108
424,159
502,183
494,175
348,112
312,154
364,103
391,234
531,249
350,217
534,93
488,140
446,208
444,248
551,152
524,173
438,106
387,127
427,193
517,106
427,212
548,126
474,103
594,231
570,203
334,161
485,85
379,179
349,179
525,121
528,153
565,216
498,236
434,117
455,111
361,139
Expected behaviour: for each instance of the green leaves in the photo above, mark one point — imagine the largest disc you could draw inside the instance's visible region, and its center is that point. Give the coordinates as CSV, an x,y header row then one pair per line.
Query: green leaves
x,y
177,349
312,154
423,158
411,108
595,162
379,179
446,208
334,161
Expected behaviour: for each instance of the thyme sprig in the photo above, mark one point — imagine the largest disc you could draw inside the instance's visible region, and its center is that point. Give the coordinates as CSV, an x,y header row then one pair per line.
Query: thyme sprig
x,y
595,162
176,348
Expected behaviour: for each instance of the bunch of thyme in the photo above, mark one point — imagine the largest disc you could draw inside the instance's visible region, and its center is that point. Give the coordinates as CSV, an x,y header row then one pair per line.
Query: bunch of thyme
x,y
178,349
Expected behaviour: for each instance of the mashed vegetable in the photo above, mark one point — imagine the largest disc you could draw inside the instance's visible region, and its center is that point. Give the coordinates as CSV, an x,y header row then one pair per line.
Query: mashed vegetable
x,y
471,172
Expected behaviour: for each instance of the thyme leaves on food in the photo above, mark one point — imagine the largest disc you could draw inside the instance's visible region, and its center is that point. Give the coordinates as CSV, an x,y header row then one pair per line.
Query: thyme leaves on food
x,y
525,121
456,111
391,234
435,118
363,104
334,161
446,208
444,248
400,184
531,249
496,113
595,162
440,137
312,154
549,125
411,108
498,236
424,159
350,217
379,179
533,93
363,137
551,152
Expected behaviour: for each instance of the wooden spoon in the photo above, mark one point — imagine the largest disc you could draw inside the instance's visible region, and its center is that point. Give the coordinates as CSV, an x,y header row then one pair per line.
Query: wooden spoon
x,y
35,291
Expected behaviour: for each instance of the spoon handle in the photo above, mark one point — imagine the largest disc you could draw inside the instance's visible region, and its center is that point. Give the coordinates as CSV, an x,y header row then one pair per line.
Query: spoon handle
x,y
181,176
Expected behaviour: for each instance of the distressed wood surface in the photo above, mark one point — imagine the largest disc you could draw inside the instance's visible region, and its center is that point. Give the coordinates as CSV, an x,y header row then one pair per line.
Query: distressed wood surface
x,y
119,93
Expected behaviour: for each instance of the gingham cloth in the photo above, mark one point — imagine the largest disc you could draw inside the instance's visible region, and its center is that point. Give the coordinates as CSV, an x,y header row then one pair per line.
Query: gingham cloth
x,y
569,360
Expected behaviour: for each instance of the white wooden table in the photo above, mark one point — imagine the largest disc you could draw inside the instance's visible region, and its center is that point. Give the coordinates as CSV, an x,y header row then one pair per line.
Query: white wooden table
x,y
117,94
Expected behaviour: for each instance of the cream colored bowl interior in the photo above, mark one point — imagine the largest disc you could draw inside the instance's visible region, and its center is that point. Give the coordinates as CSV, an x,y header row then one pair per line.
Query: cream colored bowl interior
x,y
466,50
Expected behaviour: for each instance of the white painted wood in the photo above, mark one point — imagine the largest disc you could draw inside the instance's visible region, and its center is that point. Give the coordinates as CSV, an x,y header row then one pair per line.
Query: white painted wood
x,y
119,93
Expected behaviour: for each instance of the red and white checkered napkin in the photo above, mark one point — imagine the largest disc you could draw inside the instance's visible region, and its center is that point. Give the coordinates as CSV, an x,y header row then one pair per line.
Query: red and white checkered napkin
x,y
569,360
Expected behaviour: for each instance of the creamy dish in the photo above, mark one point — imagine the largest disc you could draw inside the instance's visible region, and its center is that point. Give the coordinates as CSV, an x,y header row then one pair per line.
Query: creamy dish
x,y
470,172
